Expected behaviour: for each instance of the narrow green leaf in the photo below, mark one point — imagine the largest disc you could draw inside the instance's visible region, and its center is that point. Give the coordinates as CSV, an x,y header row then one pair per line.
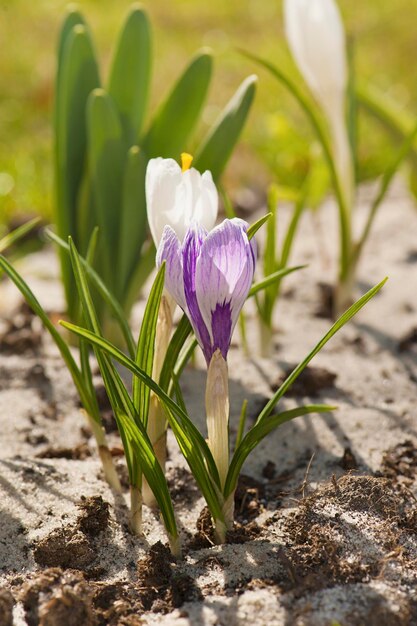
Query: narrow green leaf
x,y
146,346
170,131
130,72
242,423
77,76
253,228
273,278
217,147
101,288
34,304
257,433
343,319
16,234
270,254
176,344
107,157
133,219
192,444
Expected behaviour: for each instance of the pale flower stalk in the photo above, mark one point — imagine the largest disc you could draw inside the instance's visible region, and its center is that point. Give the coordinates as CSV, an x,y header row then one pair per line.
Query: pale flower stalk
x,y
175,196
316,37
209,275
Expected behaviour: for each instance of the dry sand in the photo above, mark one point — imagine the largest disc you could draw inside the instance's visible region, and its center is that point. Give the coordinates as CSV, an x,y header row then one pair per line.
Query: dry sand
x,y
327,513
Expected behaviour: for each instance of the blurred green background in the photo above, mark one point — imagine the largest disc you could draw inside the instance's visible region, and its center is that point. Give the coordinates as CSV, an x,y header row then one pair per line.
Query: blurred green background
x,y
276,139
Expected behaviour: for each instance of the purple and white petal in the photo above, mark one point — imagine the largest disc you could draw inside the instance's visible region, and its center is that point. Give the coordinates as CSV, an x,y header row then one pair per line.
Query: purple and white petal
x,y
224,274
191,249
169,250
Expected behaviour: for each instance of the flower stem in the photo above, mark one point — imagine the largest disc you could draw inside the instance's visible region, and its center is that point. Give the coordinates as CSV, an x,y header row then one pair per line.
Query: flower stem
x,y
217,413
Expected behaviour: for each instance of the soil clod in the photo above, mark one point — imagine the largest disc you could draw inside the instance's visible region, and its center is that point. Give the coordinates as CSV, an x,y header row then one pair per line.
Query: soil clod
x,y
6,608
94,516
65,547
77,453
348,461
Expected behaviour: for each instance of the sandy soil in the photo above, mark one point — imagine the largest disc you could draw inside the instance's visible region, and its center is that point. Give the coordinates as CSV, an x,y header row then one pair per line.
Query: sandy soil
x,y
326,512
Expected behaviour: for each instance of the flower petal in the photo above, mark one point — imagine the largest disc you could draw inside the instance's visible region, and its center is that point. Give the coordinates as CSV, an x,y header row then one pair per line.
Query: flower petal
x,y
163,177
190,253
224,274
169,250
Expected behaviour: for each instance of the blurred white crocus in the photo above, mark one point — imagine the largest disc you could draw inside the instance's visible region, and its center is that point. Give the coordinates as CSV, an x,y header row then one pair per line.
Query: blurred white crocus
x,y
178,197
316,37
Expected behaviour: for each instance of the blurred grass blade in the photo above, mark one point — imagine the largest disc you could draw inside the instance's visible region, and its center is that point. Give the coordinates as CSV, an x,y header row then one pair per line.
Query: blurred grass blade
x,y
77,76
107,162
170,131
146,346
16,234
130,73
218,146
133,219
257,433
273,278
106,295
351,312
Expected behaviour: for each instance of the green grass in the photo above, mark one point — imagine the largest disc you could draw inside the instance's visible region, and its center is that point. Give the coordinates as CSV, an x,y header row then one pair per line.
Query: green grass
x,y
276,138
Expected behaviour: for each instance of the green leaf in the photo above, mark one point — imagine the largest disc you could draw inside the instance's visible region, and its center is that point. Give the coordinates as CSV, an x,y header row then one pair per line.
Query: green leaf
x,y
130,73
16,234
169,132
146,346
217,147
107,158
314,119
257,433
253,228
176,344
343,319
101,288
133,218
77,76
34,304
191,442
273,278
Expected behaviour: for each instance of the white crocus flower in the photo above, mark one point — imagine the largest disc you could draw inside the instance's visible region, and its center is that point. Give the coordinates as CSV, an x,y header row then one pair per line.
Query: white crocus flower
x,y
178,197
315,34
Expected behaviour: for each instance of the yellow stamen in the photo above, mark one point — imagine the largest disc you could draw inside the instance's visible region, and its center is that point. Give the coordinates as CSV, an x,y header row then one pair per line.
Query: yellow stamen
x,y
186,160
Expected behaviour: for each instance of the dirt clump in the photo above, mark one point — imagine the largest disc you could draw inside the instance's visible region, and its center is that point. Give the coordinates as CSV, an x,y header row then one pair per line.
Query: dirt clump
x,y
94,516
248,498
6,608
22,334
348,461
55,598
77,453
399,463
65,547
408,341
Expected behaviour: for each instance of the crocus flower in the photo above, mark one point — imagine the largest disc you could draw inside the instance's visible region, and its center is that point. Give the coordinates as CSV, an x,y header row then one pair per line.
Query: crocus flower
x,y
209,275
178,197
315,34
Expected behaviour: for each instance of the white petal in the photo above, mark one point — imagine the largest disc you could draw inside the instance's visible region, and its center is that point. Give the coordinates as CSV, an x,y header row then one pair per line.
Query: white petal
x,y
316,36
163,176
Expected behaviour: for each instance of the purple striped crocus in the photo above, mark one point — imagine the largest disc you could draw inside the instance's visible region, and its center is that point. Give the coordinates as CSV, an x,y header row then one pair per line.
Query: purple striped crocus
x,y
209,275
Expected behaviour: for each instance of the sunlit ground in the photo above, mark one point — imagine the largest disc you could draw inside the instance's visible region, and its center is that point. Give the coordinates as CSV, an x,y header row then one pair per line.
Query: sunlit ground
x,y
272,145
